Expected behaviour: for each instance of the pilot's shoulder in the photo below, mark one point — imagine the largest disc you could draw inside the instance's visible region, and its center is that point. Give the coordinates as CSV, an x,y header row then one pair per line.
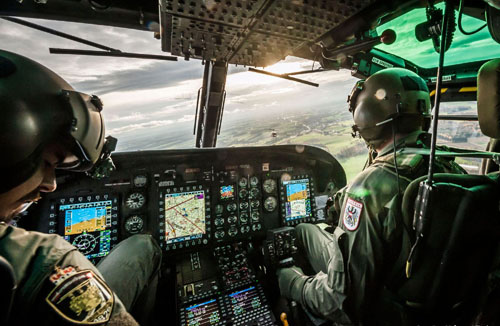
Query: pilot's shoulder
x,y
20,247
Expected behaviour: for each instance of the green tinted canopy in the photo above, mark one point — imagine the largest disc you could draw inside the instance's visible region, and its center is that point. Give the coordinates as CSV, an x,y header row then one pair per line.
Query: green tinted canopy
x,y
465,48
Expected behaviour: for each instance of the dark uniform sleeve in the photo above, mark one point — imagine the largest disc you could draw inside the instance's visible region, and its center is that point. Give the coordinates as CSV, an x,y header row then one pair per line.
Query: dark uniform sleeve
x,y
56,284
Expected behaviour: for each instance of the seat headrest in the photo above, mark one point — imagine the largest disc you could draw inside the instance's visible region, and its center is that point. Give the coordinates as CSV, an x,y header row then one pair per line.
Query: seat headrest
x,y
488,98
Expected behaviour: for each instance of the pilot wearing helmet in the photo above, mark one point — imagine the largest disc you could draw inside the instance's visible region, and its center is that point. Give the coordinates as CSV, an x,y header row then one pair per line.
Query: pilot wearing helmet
x,y
46,125
358,269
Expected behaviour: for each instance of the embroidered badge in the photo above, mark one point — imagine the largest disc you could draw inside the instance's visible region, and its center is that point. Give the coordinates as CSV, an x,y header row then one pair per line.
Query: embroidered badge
x,y
80,297
352,214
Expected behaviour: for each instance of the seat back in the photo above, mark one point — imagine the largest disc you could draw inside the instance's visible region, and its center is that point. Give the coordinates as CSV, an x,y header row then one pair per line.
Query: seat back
x,y
449,273
7,289
488,109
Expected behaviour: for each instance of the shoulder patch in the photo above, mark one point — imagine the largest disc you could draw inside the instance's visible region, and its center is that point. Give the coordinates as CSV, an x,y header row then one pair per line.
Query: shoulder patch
x,y
80,297
352,214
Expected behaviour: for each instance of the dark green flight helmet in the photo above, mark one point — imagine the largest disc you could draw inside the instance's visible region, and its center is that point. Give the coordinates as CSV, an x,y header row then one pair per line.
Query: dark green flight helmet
x,y
37,108
393,95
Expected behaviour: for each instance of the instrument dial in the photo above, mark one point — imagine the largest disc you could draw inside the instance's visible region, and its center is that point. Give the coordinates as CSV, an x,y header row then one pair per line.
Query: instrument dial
x,y
85,243
135,200
233,231
243,182
219,234
255,216
254,181
134,224
140,181
254,193
243,205
270,204
232,219
219,221
243,193
256,227
231,207
245,229
255,204
269,186
244,217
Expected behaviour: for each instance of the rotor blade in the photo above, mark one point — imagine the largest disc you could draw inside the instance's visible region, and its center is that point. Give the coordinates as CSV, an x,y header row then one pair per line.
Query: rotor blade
x,y
57,33
112,54
284,77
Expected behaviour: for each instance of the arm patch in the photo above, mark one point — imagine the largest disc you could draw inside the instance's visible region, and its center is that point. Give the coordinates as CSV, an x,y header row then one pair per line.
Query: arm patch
x,y
352,214
80,297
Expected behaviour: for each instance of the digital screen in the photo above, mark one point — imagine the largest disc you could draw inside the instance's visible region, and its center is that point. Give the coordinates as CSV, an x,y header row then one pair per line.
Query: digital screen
x,y
227,192
184,216
298,200
245,301
87,226
205,313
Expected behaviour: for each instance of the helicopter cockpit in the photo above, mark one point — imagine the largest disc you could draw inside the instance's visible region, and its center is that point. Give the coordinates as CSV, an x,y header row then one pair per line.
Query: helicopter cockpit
x,y
221,189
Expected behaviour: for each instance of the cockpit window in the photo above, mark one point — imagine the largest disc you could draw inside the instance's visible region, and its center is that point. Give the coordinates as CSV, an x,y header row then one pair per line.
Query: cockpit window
x,y
465,48
462,134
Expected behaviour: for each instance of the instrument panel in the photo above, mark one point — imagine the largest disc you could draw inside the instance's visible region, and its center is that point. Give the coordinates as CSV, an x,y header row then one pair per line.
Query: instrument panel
x,y
192,198
209,209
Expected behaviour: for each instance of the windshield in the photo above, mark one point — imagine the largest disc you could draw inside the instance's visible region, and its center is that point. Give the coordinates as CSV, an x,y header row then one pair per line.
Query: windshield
x,y
150,105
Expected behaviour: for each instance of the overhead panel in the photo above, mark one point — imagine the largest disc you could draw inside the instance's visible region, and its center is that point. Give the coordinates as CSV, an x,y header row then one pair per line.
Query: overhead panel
x,y
250,32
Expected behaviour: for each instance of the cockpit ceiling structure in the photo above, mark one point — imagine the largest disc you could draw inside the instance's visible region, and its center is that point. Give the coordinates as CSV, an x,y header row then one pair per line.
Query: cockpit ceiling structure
x,y
249,32
246,32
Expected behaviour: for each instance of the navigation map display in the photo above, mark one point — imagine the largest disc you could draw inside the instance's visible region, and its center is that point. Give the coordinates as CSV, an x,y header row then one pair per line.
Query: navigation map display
x,y
298,199
184,216
87,226
201,314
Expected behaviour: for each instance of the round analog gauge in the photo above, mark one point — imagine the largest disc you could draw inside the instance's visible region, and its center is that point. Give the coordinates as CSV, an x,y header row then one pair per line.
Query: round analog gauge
x,y
243,182
219,209
243,193
85,243
269,186
135,200
219,234
243,205
219,221
255,216
254,181
255,204
245,229
256,227
233,231
254,193
140,180
134,224
232,219
270,204
244,217
231,207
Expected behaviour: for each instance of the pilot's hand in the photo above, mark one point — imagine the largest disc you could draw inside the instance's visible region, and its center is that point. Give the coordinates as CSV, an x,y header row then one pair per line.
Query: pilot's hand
x,y
291,281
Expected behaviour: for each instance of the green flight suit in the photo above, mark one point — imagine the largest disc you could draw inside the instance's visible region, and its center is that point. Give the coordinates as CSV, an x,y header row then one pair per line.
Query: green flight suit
x,y
40,259
368,249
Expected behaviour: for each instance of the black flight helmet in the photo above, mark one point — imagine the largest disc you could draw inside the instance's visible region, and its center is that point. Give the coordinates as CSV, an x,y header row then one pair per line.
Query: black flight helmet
x,y
38,108
390,95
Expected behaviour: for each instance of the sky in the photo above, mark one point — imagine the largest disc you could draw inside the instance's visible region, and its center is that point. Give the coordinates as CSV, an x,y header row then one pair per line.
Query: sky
x,y
143,98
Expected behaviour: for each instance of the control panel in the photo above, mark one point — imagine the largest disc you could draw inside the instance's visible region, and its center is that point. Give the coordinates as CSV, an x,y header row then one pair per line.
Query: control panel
x,y
279,247
210,210
192,199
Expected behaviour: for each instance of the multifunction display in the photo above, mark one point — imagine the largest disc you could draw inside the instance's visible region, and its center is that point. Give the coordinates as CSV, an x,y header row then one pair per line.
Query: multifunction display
x,y
202,314
89,223
183,216
298,199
